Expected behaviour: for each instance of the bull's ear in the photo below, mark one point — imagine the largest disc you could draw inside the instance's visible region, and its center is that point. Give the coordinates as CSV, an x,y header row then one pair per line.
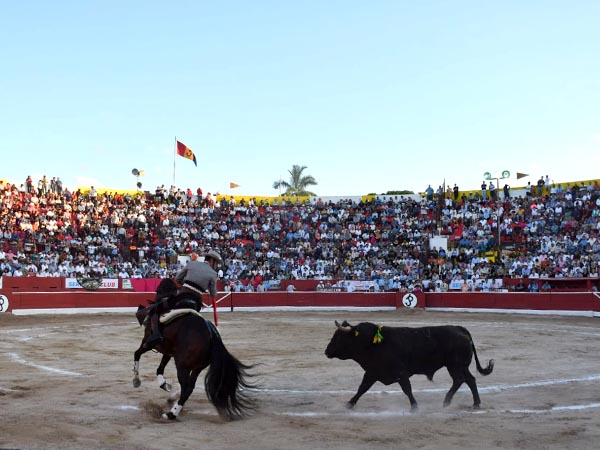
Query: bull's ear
x,y
346,324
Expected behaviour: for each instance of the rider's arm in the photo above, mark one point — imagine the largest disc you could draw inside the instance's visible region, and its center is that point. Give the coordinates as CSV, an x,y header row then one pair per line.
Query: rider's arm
x,y
181,275
212,287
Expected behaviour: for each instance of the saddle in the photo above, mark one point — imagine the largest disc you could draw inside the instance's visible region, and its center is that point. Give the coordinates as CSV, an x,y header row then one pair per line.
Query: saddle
x,y
187,302
170,316
169,307
179,305
175,313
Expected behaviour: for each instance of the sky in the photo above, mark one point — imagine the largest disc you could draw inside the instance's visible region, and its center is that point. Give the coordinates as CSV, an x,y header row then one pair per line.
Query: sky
x,y
370,96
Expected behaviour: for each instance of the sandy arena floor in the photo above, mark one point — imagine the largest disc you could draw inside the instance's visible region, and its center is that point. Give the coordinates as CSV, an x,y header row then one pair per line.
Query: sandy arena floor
x,y
65,383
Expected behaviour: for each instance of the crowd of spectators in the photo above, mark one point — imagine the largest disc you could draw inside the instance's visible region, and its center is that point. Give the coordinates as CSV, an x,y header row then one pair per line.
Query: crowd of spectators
x,y
47,231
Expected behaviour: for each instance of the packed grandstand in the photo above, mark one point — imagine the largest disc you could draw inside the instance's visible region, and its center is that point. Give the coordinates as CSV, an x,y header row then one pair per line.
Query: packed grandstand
x,y
468,240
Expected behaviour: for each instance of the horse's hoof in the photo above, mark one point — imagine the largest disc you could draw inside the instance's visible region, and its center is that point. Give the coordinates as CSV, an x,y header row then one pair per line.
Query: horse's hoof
x,y
136,383
169,416
166,387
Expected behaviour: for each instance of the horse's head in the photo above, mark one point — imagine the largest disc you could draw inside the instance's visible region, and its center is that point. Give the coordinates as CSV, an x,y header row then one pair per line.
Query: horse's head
x,y
166,288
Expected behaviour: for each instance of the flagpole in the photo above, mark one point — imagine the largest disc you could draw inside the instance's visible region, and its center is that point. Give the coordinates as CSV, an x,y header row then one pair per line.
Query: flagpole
x,y
174,157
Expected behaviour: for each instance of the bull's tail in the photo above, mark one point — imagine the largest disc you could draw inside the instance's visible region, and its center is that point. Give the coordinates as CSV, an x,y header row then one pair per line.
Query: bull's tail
x,y
480,369
483,371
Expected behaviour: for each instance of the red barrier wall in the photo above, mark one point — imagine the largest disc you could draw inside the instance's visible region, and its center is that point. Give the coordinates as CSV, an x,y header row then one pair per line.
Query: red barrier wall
x,y
49,293
314,299
29,284
77,299
124,299
144,284
557,301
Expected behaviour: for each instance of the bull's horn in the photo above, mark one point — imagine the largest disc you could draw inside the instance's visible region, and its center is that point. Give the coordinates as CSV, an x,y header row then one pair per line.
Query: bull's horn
x,y
345,326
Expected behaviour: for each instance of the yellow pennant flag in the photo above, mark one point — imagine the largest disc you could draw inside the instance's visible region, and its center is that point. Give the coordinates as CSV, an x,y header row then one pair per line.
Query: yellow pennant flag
x,y
233,185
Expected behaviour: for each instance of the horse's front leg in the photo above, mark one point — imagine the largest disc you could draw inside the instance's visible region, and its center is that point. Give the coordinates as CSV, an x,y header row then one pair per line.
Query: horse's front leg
x,y
160,371
143,348
187,380
136,364
136,361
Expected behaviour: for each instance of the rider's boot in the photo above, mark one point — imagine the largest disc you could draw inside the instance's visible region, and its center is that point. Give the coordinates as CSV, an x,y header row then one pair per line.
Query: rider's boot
x,y
156,336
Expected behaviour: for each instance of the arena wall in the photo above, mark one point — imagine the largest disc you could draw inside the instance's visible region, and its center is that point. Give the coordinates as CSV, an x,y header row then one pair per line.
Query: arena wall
x,y
50,295
565,302
69,301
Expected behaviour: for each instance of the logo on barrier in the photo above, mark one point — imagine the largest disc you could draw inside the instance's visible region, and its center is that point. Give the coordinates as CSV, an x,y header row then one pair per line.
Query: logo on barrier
x,y
409,300
3,303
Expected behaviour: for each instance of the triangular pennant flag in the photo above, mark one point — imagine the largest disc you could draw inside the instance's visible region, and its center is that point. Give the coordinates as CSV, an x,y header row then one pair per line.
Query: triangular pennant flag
x,y
522,175
233,185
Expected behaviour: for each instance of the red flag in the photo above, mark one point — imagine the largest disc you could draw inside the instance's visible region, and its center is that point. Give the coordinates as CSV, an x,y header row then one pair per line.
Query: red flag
x,y
186,152
233,185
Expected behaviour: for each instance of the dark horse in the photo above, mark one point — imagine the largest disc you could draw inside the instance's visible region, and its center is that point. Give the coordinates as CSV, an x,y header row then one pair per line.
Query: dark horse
x,y
195,344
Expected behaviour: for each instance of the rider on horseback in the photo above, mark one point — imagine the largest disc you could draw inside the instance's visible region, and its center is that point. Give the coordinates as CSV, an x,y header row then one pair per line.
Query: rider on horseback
x,y
196,278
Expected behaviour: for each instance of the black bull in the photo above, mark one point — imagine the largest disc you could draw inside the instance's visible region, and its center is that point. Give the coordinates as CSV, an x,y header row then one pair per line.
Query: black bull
x,y
394,354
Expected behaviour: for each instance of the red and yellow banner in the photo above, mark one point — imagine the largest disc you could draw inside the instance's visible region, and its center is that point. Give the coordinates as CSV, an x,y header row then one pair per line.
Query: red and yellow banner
x,y
186,152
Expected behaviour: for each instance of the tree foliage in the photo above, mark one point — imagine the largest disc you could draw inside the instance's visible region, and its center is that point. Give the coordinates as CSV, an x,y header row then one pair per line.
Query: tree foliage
x,y
403,192
298,183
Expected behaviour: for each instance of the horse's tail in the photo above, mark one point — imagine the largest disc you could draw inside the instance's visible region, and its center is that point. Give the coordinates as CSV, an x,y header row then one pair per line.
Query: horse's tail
x,y
226,379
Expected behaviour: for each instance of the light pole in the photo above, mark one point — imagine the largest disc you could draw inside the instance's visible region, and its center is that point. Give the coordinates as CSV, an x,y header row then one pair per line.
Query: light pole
x,y
497,176
138,173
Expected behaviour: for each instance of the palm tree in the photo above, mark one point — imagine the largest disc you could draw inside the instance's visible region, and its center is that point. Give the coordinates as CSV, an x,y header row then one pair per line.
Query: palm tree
x,y
298,182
